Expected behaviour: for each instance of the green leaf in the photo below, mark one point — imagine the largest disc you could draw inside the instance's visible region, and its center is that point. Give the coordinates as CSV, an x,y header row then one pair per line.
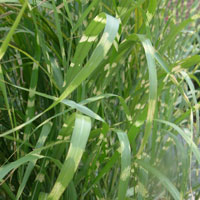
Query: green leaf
x,y
83,16
188,62
3,49
8,38
186,137
152,6
163,179
31,157
43,136
192,89
152,88
125,164
82,109
77,146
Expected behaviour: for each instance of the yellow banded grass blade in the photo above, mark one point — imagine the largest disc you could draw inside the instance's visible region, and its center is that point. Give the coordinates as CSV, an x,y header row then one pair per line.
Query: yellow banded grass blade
x,y
77,146
125,164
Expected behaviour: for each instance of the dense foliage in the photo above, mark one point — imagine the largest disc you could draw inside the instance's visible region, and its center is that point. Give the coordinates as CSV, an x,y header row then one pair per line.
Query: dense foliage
x,y
99,99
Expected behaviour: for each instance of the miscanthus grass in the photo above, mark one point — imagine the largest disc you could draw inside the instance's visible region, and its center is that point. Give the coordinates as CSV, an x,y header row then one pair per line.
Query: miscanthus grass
x,y
99,99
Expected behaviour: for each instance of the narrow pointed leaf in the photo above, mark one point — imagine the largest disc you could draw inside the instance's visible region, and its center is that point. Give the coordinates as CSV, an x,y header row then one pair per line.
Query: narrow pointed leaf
x,y
163,179
77,146
125,164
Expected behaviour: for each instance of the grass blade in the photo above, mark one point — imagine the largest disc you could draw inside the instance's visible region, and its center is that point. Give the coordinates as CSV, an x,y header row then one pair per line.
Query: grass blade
x,y
83,16
125,164
152,89
189,141
3,49
163,179
4,170
8,38
43,136
77,145
191,86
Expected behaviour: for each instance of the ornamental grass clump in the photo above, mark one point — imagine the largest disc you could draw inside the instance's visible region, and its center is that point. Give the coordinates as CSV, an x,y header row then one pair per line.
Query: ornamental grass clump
x,y
99,100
